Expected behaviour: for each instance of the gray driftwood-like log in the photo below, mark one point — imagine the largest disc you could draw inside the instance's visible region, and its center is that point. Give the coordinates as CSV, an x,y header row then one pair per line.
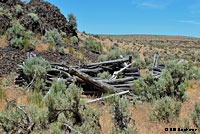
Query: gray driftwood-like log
x,y
104,87
106,97
123,85
110,62
117,81
96,70
114,76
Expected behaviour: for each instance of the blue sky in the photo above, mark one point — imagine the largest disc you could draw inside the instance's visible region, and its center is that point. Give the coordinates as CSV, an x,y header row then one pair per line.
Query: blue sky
x,y
160,17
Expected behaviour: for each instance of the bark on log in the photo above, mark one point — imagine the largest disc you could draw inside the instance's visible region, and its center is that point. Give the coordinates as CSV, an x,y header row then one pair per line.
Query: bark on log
x,y
123,85
94,83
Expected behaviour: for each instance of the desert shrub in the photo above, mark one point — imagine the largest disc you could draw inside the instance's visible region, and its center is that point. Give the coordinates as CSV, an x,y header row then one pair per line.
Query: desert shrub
x,y
104,75
8,80
36,69
53,37
19,9
64,105
36,98
34,17
74,40
165,109
195,114
93,46
72,21
140,64
171,82
121,117
61,50
113,54
18,37
102,57
2,94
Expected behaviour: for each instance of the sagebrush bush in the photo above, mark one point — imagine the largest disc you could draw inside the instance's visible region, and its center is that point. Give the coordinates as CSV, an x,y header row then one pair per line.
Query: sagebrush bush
x,y
93,46
195,114
19,9
104,75
165,109
36,98
74,39
19,37
34,17
74,111
72,21
36,68
53,37
2,94
61,50
171,82
9,80
121,116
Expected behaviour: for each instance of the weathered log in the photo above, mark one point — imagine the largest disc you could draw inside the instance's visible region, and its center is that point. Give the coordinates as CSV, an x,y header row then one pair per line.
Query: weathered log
x,y
96,70
106,97
94,83
132,74
121,70
123,85
117,81
110,62
155,60
132,69
157,69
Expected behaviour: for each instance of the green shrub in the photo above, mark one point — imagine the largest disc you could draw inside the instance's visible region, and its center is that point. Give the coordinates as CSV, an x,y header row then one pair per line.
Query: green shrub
x,y
121,116
74,40
36,98
2,94
34,17
195,114
72,21
53,37
75,112
93,46
104,75
8,80
171,82
19,9
165,109
102,57
61,50
36,69
18,37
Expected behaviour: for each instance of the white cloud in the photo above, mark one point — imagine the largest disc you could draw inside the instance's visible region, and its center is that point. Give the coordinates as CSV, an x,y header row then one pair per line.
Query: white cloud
x,y
157,4
190,22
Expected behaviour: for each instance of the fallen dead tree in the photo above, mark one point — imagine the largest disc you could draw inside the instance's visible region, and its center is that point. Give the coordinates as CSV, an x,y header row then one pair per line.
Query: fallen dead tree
x,y
86,75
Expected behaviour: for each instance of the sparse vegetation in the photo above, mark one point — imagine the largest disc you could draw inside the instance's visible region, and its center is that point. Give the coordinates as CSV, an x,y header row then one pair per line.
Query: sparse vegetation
x,y
19,37
53,37
74,40
165,109
34,17
104,75
36,68
93,46
72,21
195,114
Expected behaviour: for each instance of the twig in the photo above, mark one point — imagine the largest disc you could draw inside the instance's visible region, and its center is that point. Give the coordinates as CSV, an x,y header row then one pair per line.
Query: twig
x,y
106,97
